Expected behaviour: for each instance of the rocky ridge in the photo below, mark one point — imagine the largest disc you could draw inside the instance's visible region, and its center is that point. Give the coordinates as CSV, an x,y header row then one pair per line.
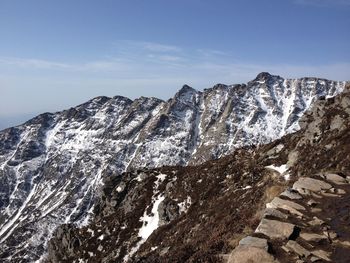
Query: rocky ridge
x,y
52,167
200,213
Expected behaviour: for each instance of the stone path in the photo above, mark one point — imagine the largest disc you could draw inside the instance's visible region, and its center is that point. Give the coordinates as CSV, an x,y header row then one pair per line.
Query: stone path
x,y
309,222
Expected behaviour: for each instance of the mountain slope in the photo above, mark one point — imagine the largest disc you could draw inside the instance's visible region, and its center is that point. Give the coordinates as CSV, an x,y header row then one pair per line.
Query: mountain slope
x,y
52,166
199,213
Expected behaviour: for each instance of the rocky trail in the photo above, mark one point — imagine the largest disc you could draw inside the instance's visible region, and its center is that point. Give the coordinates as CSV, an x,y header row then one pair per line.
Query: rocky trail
x,y
309,222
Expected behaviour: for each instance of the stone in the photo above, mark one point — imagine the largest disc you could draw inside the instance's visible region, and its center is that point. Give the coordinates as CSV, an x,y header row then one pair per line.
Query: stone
x,y
315,221
348,179
285,249
298,249
341,191
316,210
290,206
313,237
168,211
275,229
330,234
311,184
334,178
321,254
304,192
316,195
329,194
291,194
250,254
314,259
343,243
312,203
275,213
254,242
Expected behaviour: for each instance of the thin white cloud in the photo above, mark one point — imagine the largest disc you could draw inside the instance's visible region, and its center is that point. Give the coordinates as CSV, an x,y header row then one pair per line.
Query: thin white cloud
x,y
123,45
33,63
202,67
321,3
155,47
211,52
30,63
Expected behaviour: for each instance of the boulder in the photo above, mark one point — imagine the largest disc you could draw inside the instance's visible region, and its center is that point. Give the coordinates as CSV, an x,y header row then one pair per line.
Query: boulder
x,y
321,254
341,191
275,229
313,237
334,178
298,249
291,194
250,254
290,206
275,213
254,242
316,221
311,184
315,259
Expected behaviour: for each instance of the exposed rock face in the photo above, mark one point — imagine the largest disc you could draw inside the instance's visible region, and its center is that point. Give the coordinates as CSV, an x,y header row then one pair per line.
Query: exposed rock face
x,y
52,166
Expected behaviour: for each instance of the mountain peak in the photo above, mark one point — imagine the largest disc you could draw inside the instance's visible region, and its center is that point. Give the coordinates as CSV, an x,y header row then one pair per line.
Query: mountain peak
x,y
186,88
263,76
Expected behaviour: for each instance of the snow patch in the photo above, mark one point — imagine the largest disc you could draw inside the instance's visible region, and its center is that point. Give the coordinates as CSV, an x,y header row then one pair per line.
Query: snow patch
x,y
282,170
150,222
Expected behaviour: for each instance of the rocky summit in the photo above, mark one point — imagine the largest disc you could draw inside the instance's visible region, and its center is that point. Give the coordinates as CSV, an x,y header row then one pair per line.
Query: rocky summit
x,y
183,180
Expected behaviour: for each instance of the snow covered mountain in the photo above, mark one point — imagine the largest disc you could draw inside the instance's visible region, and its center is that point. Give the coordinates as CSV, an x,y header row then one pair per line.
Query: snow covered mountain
x,y
52,166
216,210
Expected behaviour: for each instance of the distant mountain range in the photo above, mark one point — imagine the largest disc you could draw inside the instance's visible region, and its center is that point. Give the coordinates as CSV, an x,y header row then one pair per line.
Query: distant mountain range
x,y
53,167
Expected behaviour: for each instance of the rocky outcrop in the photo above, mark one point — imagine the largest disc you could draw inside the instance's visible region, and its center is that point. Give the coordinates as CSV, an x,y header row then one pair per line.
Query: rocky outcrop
x,y
294,237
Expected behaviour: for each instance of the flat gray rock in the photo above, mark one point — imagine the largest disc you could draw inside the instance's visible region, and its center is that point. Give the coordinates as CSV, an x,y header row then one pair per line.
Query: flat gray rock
x,y
290,206
250,254
298,249
313,237
315,221
291,194
254,242
334,178
321,254
311,184
275,229
275,213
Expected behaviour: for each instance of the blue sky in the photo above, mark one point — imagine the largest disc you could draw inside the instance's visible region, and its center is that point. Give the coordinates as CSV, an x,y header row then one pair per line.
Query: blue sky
x,y
56,54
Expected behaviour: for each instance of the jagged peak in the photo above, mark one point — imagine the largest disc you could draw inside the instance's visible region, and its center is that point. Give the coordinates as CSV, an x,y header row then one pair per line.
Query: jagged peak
x,y
121,98
148,99
186,93
264,76
217,86
186,88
